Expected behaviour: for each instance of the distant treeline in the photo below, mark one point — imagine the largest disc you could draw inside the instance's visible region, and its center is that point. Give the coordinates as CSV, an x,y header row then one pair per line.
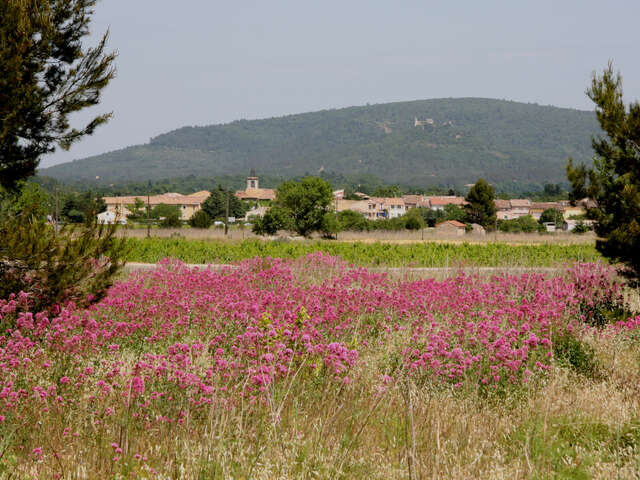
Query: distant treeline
x,y
368,184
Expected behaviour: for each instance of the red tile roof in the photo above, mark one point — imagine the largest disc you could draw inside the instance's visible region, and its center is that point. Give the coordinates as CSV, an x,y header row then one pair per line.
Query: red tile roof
x,y
455,223
257,194
447,200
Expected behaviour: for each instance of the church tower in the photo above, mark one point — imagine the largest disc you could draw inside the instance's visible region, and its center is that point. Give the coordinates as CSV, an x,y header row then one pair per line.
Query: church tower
x,y
252,180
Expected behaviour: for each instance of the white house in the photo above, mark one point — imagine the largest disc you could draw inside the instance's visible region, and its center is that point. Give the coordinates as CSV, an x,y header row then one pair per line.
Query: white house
x,y
110,217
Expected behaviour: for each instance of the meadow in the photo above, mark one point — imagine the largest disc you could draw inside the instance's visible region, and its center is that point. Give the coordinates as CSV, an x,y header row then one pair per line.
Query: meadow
x,y
313,368
423,254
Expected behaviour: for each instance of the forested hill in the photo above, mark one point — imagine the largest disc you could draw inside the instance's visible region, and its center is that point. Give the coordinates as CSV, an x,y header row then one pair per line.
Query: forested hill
x,y
505,142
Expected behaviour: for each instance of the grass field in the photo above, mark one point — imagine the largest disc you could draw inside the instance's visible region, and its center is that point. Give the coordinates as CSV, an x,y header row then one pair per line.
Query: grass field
x,y
424,254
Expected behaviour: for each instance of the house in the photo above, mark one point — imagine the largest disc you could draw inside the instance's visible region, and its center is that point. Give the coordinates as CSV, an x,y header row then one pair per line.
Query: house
x,y
503,208
477,229
451,227
416,201
520,207
385,207
438,203
375,208
255,211
187,204
538,207
253,192
338,194
579,209
356,205
570,225
394,206
110,217
362,196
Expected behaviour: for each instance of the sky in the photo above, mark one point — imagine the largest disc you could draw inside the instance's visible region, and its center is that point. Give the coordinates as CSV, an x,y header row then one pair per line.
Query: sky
x,y
202,62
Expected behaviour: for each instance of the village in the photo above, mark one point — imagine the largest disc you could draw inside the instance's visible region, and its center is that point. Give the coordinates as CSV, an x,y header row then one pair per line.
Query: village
x,y
372,208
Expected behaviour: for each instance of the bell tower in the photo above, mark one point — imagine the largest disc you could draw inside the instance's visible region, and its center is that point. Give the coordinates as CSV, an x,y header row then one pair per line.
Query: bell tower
x,y
252,180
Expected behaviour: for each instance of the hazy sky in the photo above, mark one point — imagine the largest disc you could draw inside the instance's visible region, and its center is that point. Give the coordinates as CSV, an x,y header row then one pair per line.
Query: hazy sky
x,y
199,62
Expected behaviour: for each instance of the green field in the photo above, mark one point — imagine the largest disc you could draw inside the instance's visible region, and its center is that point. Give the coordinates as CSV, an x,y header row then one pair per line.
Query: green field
x,y
428,254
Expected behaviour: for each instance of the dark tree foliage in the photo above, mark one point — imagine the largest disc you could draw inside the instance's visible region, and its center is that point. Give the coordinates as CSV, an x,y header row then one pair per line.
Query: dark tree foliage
x,y
78,207
330,225
552,215
162,210
46,75
387,191
481,208
306,202
613,183
524,224
76,263
413,220
200,219
215,205
552,190
276,218
171,221
353,221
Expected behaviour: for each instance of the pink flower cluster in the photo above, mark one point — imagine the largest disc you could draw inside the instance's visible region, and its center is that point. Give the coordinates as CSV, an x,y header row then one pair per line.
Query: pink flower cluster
x,y
212,337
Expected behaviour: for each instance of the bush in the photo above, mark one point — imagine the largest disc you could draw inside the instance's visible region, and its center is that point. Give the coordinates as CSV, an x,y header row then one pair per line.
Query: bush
x,y
330,225
275,219
171,221
76,216
200,219
413,220
162,210
580,357
525,224
77,263
580,228
354,221
551,215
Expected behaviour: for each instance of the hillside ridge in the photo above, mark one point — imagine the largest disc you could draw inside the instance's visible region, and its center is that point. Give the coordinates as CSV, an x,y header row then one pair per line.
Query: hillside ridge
x,y
420,142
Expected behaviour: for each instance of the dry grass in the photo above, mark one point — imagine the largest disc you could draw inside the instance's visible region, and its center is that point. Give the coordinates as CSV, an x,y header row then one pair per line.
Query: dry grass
x,y
400,237
566,426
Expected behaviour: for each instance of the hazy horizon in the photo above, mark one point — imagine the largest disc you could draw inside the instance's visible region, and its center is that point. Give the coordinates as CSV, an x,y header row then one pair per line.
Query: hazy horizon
x,y
251,60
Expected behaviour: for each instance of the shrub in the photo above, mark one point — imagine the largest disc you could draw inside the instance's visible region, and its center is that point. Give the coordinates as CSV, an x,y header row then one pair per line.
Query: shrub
x,y
76,216
413,220
330,225
580,357
354,221
275,219
77,263
171,221
580,228
200,219
551,215
525,224
162,210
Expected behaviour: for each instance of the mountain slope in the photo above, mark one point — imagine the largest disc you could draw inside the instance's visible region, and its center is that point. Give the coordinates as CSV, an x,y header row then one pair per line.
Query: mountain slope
x,y
502,141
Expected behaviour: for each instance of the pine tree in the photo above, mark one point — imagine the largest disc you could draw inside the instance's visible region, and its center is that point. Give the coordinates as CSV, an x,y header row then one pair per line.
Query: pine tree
x,y
613,182
46,75
481,208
